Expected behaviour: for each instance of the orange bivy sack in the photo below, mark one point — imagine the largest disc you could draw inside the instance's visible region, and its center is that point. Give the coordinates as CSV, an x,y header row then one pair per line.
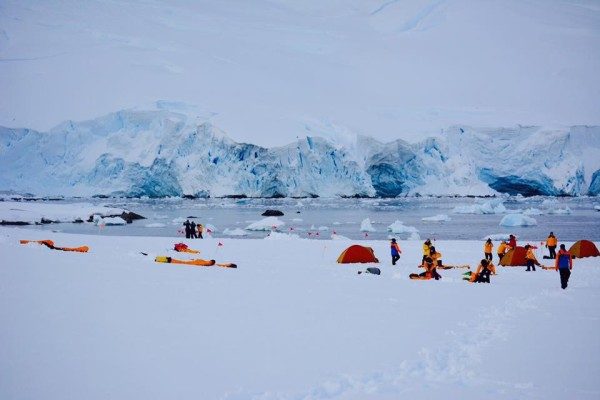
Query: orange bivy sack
x,y
50,244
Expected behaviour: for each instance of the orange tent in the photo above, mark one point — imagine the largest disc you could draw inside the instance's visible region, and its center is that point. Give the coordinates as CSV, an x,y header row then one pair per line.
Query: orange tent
x,y
357,254
584,248
515,257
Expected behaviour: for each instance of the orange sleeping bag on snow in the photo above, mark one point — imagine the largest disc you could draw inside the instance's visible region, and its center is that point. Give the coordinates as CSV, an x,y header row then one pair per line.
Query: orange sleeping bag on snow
x,y
197,262
50,244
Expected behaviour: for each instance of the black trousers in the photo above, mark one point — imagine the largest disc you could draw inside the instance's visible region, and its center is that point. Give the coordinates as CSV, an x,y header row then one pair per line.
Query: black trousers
x,y
565,273
530,264
395,258
552,250
488,256
500,257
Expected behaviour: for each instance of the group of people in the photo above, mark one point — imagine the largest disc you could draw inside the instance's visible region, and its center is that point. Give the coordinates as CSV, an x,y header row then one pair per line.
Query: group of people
x,y
432,259
193,231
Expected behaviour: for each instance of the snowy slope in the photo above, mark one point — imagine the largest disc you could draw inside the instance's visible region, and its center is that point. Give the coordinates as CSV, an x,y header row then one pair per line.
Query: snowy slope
x,y
290,324
267,71
165,153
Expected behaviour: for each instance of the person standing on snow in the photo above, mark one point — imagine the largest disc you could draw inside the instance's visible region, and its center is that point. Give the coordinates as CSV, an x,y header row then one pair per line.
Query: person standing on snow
x,y
551,243
395,250
501,250
193,230
426,251
512,241
487,249
530,258
188,229
200,230
564,265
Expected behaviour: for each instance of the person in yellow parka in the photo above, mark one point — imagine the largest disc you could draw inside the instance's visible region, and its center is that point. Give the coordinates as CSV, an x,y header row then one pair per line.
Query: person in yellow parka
x,y
502,248
483,272
487,249
435,256
426,251
530,258
551,244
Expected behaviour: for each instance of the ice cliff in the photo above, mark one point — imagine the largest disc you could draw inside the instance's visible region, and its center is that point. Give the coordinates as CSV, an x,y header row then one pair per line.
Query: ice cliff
x,y
163,153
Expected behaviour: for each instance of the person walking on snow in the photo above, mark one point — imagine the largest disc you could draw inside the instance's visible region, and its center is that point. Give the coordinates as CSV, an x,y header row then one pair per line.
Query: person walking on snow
x,y
551,243
487,249
564,265
395,250
530,258
200,230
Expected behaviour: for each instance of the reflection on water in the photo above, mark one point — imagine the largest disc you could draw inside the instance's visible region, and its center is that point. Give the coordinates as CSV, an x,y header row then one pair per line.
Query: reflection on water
x,y
307,217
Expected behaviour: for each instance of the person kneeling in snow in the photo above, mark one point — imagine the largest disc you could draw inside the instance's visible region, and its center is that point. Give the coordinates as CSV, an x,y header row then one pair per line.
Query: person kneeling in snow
x,y
482,275
430,268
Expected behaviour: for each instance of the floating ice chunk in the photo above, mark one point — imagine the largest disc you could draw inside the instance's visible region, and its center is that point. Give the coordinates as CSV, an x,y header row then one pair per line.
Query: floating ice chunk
x,y
597,208
282,236
489,207
517,220
533,211
399,227
313,228
323,228
339,223
437,218
266,224
297,220
235,232
335,236
111,221
155,225
366,226
414,236
496,236
179,220
560,211
549,202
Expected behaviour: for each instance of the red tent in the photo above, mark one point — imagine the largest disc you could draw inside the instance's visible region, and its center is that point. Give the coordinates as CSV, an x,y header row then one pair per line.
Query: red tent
x,y
584,248
515,257
357,254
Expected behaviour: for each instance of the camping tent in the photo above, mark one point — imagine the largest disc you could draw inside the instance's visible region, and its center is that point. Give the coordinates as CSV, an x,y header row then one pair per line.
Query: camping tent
x,y
584,248
514,257
357,254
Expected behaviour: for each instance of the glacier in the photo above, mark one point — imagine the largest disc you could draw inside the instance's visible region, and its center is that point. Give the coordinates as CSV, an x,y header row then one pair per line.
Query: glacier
x,y
161,153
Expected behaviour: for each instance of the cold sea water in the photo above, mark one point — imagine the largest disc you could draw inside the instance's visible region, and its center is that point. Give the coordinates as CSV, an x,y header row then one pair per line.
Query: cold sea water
x,y
570,219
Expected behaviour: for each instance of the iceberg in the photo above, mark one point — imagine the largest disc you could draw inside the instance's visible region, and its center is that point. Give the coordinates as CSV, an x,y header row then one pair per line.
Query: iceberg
x,y
366,225
266,224
437,218
517,220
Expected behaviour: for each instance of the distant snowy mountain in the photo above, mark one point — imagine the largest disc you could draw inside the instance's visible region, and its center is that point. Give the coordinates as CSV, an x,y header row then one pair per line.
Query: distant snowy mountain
x,y
164,153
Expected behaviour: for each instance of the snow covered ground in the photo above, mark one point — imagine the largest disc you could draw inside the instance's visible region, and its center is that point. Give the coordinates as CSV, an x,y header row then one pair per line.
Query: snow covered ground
x,y
289,323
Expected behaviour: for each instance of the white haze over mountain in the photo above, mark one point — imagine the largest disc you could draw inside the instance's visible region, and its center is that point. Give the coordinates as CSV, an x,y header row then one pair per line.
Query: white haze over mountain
x,y
270,71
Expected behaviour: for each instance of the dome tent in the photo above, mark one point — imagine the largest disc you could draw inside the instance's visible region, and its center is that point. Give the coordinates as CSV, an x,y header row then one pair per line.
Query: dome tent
x,y
357,254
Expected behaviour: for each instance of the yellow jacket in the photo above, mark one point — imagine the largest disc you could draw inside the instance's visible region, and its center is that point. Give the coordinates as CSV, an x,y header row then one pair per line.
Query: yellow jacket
x,y
551,241
488,247
530,255
502,248
425,249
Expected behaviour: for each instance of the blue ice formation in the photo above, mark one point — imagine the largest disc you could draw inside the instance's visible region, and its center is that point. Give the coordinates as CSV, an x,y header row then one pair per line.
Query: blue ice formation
x,y
162,153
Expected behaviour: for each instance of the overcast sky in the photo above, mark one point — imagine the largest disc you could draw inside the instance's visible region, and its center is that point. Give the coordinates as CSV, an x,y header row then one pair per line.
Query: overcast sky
x,y
268,71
